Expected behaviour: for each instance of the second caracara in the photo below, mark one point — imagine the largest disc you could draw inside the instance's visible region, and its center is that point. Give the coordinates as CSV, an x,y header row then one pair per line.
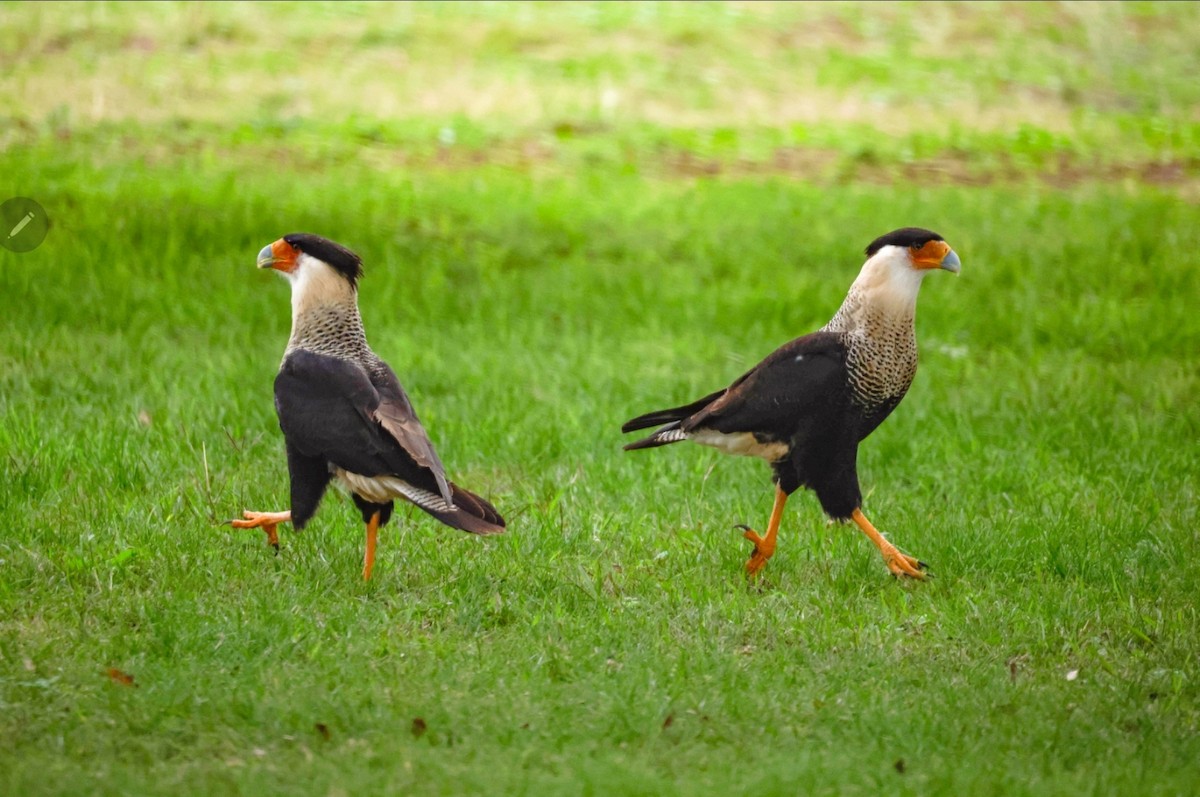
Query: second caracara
x,y
343,412
805,408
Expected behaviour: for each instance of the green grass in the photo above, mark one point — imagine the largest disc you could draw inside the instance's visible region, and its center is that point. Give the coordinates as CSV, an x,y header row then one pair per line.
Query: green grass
x,y
532,296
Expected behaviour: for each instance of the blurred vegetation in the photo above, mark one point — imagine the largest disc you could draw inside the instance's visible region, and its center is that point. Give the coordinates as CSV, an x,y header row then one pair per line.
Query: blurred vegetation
x,y
946,92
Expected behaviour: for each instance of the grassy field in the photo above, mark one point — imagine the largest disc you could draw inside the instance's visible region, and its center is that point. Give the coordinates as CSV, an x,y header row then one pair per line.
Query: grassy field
x,y
571,214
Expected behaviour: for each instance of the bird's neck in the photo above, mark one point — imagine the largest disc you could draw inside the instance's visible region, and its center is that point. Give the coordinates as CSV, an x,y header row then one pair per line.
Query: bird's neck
x,y
331,326
876,305
881,344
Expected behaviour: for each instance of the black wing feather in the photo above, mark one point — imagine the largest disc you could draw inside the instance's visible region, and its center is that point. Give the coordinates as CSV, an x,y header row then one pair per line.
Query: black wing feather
x,y
783,394
398,417
328,409
775,399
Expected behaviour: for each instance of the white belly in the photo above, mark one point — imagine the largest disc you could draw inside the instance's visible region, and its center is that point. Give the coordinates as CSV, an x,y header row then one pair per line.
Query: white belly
x,y
741,444
382,489
376,489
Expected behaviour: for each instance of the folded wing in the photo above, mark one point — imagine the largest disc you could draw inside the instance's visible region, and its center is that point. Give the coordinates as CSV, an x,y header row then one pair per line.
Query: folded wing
x,y
329,409
780,398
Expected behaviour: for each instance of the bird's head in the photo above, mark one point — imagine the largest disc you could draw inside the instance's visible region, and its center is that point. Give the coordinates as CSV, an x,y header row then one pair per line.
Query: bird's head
x,y
897,262
302,257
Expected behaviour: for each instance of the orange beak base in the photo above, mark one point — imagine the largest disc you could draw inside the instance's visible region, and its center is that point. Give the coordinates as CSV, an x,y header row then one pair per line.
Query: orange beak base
x,y
935,254
930,255
280,256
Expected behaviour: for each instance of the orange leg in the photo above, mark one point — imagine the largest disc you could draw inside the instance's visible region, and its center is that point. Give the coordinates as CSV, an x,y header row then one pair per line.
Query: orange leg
x,y
372,535
900,564
267,521
764,547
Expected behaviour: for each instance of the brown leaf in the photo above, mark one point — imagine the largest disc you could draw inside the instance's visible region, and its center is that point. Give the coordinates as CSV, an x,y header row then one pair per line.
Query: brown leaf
x,y
419,727
668,721
125,679
323,729
899,765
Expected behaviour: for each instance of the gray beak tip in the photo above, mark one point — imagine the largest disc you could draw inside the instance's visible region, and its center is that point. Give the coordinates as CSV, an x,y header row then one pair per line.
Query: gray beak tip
x,y
266,257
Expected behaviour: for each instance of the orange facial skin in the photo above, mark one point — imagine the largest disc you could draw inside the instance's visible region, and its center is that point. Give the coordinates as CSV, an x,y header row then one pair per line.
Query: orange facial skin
x,y
280,256
930,255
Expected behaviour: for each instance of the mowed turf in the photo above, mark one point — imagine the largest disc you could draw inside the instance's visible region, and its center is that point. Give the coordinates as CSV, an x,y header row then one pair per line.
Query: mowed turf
x,y
1045,464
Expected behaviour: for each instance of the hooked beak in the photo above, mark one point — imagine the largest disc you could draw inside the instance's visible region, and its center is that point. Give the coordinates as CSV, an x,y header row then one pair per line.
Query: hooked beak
x,y
278,255
951,262
266,258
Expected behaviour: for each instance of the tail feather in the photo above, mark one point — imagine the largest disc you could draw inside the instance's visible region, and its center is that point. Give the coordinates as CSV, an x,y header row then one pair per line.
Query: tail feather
x,y
673,415
470,512
664,436
473,513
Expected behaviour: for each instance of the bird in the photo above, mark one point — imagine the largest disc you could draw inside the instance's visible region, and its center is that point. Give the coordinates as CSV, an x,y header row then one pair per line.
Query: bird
x,y
806,407
342,411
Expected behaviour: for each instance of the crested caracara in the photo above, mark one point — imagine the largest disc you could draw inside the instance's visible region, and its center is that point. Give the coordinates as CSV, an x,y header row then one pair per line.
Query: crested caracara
x,y
343,412
805,408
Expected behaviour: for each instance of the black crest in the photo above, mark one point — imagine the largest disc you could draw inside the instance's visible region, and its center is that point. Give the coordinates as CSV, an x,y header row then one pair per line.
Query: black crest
x,y
906,236
348,264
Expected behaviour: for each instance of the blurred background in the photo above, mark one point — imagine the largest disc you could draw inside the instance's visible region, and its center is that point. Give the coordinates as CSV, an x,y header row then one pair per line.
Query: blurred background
x,y
932,92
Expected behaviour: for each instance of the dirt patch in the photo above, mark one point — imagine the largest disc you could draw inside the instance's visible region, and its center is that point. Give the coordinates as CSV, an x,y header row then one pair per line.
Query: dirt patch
x,y
822,166
831,166
556,153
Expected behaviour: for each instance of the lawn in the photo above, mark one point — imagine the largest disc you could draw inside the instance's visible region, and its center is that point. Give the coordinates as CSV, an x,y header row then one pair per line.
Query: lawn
x,y
571,214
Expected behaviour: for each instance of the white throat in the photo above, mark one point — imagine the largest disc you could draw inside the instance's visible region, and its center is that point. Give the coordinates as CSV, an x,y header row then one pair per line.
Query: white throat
x,y
316,285
325,316
884,292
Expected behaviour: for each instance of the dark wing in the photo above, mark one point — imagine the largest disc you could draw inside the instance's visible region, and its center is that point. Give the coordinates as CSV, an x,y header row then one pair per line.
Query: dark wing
x,y
398,417
789,391
328,408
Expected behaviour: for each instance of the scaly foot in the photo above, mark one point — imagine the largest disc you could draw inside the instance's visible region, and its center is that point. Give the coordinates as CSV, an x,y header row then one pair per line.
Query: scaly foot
x,y
764,549
764,546
267,521
902,564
